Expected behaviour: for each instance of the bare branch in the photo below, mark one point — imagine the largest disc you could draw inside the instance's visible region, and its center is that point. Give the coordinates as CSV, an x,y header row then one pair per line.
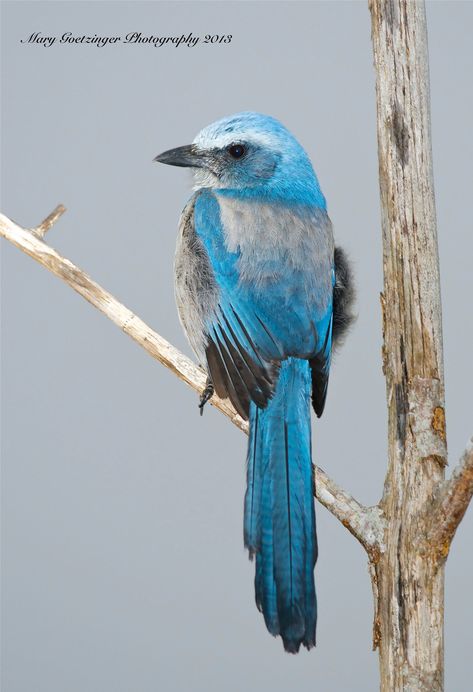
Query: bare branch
x,y
367,524
364,523
41,230
452,503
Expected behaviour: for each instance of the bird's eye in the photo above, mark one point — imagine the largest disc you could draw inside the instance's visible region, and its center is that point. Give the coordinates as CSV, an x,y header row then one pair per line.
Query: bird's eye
x,y
236,151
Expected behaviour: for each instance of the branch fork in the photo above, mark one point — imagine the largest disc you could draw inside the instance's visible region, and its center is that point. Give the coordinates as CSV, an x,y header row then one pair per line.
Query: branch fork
x,y
451,504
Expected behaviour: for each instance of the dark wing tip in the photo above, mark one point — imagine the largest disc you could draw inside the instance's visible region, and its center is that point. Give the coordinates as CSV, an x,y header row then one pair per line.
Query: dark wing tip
x,y
319,386
342,319
319,370
236,376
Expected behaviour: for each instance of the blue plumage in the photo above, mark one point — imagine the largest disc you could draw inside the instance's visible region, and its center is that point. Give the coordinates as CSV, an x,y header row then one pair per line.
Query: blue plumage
x,y
255,279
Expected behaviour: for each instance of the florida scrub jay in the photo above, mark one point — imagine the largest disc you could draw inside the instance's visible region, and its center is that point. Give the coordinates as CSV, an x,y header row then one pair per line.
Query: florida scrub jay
x,y
263,294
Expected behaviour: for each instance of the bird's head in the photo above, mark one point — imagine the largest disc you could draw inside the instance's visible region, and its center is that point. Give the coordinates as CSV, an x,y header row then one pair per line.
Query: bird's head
x,y
249,154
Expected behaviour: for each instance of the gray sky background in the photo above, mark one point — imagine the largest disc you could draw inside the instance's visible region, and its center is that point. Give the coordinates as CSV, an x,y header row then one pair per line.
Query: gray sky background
x,y
122,556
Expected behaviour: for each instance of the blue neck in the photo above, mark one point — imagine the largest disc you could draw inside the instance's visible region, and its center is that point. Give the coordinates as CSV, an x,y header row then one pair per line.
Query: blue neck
x,y
290,195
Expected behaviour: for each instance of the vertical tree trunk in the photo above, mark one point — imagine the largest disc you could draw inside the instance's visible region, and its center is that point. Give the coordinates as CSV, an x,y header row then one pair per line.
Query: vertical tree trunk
x,y
408,574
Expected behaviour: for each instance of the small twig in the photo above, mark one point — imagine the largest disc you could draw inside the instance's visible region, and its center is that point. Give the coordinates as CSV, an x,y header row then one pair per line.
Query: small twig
x,y
452,503
41,230
364,523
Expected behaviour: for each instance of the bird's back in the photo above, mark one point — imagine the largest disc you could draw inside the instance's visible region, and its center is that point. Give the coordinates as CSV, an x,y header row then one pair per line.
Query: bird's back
x,y
275,258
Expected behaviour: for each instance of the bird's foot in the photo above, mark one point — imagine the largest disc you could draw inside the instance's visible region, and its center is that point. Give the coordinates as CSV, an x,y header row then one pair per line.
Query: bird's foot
x,y
206,395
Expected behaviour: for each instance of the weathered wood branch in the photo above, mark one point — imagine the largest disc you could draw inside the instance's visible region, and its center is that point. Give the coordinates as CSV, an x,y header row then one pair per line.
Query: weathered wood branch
x,y
365,523
41,230
409,583
451,504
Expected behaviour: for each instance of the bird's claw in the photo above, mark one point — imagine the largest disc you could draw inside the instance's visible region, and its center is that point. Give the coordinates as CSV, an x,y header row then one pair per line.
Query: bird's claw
x,y
205,396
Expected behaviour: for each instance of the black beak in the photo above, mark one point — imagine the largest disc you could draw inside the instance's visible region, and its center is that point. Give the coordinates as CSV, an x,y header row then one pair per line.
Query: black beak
x,y
187,156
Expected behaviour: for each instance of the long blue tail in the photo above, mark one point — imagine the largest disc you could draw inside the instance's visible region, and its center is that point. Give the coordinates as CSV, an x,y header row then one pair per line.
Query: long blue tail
x,y
279,508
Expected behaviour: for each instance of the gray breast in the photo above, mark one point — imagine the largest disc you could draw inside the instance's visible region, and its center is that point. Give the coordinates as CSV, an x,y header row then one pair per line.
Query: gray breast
x,y
299,239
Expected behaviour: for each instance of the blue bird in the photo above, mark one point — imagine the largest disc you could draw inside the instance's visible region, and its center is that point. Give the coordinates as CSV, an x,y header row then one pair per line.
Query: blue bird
x,y
262,295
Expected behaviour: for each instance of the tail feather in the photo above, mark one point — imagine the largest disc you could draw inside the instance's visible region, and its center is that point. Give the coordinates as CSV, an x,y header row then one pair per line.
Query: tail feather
x,y
265,583
252,522
279,508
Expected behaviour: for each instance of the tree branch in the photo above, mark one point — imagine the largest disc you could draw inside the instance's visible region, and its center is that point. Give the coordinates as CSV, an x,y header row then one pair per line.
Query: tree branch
x,y
452,503
365,523
41,230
